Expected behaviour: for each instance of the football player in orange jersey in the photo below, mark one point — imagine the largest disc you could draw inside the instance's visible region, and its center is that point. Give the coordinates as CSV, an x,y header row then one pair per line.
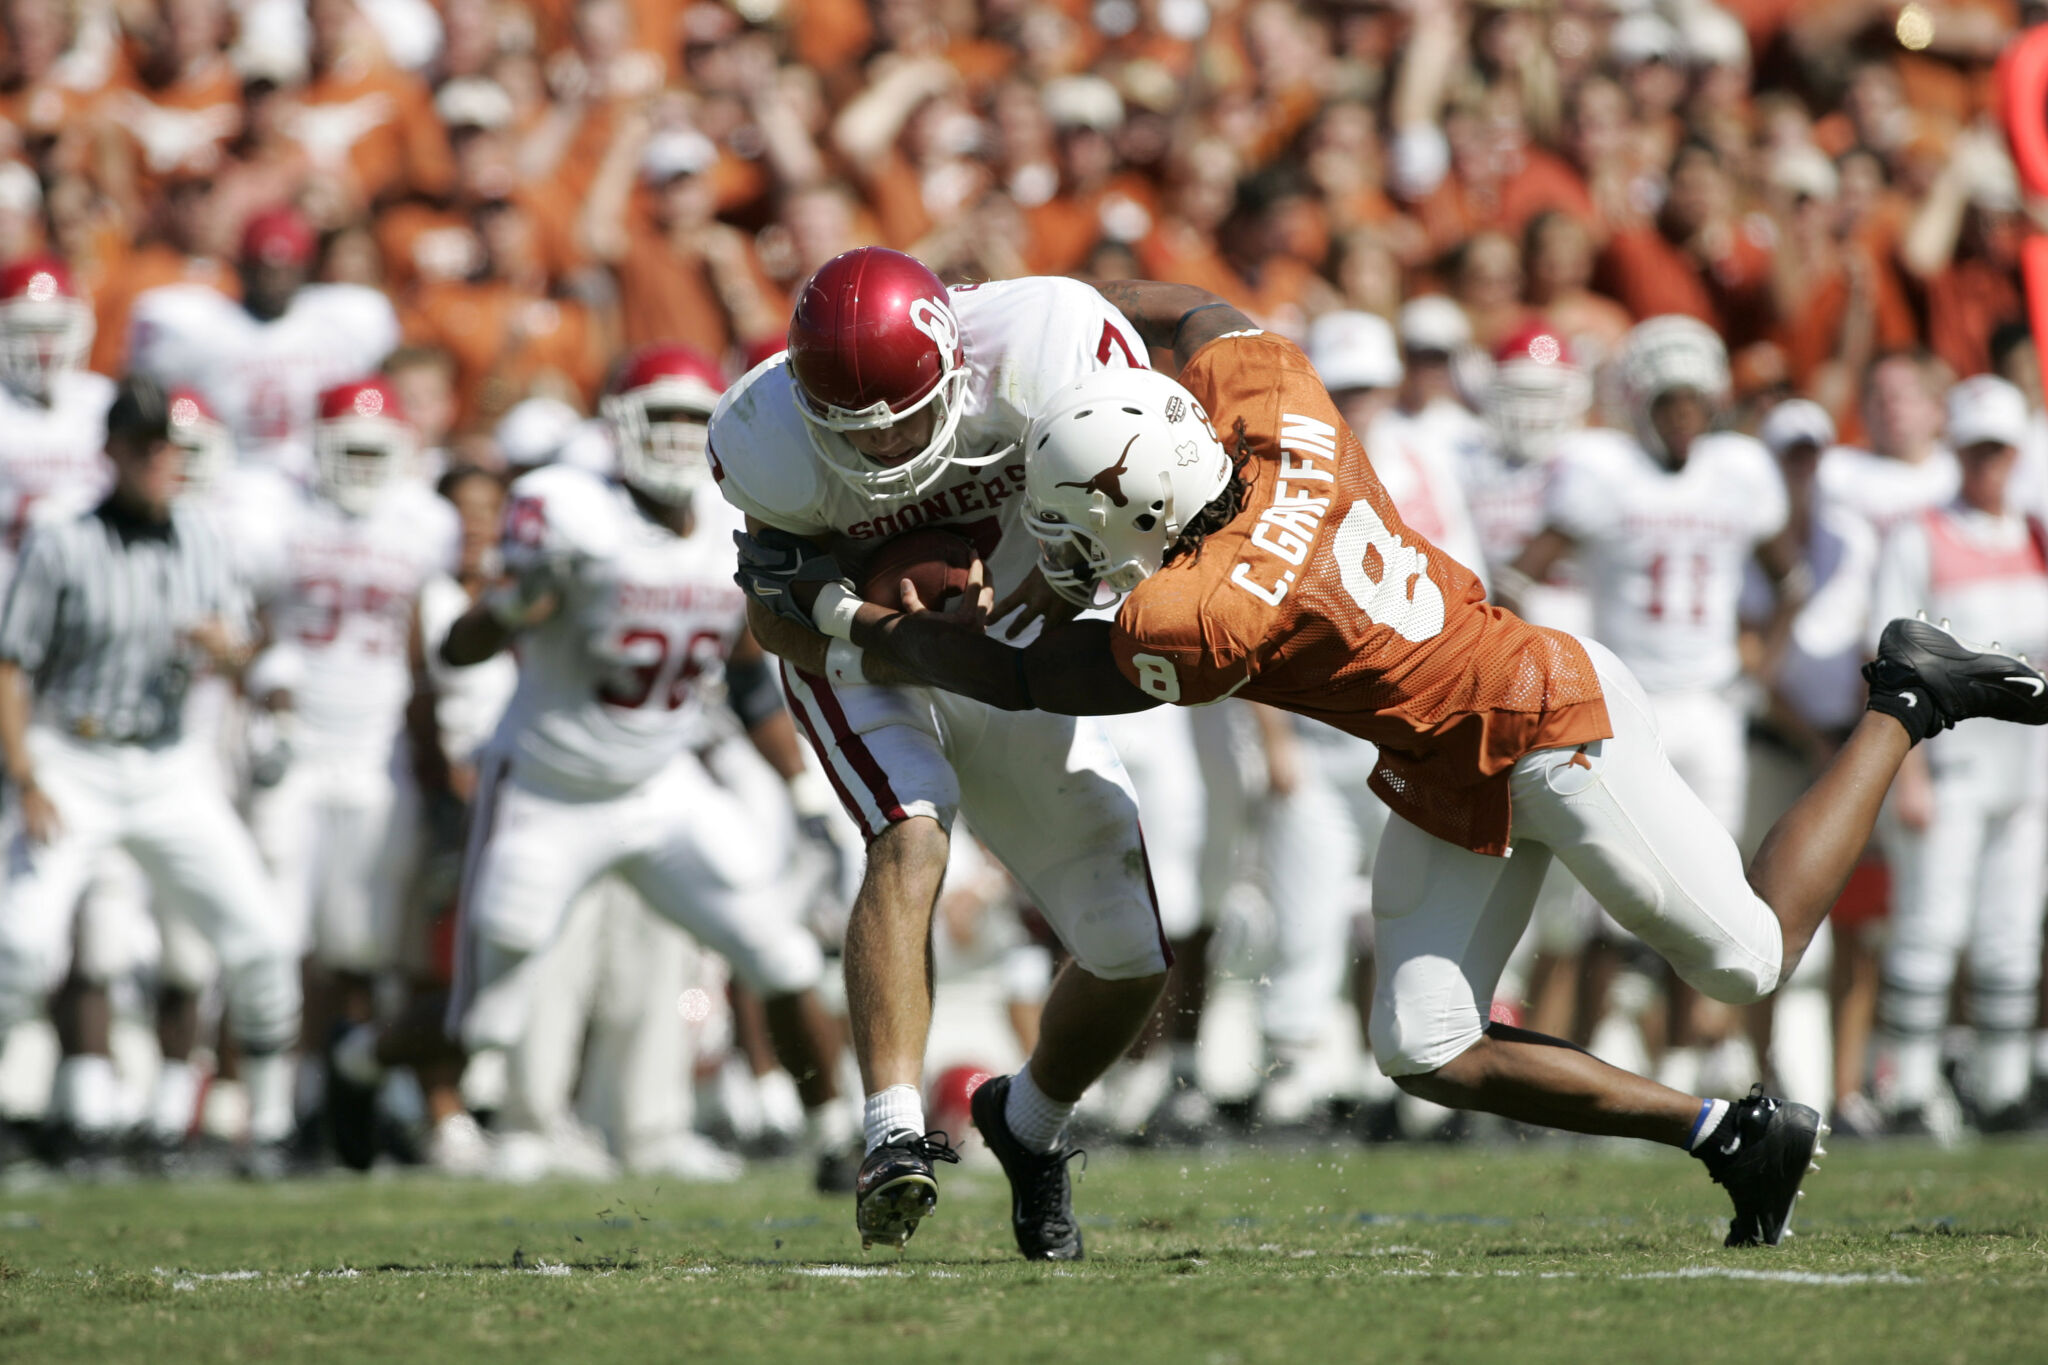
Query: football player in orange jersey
x,y
1270,563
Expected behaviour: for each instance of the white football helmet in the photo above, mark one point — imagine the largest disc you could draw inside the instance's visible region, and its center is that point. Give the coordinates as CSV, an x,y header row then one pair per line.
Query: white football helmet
x,y
1666,353
1114,468
659,405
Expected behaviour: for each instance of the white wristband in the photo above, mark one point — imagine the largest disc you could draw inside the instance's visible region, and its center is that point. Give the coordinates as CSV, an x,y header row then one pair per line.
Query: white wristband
x,y
842,664
833,611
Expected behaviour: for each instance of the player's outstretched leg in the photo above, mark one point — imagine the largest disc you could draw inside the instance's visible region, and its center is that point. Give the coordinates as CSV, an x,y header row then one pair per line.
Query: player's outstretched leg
x,y
1041,1192
1925,679
897,1189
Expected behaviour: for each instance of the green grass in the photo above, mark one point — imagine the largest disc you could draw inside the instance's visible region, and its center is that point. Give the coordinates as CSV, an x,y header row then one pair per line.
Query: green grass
x,y
1547,1253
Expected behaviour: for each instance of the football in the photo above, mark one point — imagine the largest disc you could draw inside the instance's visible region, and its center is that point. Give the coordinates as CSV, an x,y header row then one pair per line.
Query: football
x,y
936,561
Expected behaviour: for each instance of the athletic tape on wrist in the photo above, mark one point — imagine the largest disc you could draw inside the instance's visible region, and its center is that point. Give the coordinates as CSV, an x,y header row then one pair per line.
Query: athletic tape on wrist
x,y
834,609
842,664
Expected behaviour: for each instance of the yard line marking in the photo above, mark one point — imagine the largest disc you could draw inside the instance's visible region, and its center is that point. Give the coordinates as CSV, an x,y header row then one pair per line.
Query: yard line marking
x,y
1715,1272
844,1272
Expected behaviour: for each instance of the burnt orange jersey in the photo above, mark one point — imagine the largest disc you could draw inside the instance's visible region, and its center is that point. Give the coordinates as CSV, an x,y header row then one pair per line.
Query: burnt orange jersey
x,y
1320,600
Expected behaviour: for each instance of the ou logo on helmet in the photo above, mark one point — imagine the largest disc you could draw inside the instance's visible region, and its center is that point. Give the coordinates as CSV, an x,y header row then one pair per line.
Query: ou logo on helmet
x,y
936,320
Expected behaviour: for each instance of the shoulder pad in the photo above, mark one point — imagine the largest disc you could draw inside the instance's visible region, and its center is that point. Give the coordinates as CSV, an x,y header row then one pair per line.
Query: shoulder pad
x,y
761,454
559,509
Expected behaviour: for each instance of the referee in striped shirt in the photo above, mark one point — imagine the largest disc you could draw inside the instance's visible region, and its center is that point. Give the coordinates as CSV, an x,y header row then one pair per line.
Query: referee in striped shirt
x,y
107,619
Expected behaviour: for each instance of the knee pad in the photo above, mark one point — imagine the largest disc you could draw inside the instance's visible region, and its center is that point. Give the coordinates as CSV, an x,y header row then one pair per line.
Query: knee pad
x,y
1413,1049
263,1002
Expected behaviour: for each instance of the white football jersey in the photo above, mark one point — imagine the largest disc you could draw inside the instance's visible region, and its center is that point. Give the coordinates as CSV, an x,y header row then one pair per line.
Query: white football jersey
x,y
468,701
255,509
1821,673
1417,463
53,459
1509,501
1884,491
612,686
263,378
340,599
1024,339
1989,577
1664,552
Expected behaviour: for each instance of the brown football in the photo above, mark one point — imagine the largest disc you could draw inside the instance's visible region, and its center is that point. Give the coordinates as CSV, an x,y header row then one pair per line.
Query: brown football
x,y
936,561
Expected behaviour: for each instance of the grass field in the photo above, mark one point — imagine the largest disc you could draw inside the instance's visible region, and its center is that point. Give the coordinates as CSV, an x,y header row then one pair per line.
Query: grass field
x,y
1524,1254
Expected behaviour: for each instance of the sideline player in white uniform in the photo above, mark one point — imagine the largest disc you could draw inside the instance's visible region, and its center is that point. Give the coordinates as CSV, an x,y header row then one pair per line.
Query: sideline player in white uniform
x,y
340,829
53,411
1969,861
263,363
107,618
1665,524
898,405
608,758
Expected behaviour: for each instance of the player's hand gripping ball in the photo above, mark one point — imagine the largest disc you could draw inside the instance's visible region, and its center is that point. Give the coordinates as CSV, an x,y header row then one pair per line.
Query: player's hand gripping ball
x,y
938,564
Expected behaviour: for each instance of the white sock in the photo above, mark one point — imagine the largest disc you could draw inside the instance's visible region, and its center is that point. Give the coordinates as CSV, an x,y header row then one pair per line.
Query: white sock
x,y
176,1101
1916,1070
1711,1114
895,1109
2001,1070
269,1077
828,1128
1034,1117
88,1093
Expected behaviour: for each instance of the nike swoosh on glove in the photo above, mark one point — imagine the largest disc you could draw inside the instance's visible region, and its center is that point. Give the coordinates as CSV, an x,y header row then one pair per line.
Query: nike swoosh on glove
x,y
774,562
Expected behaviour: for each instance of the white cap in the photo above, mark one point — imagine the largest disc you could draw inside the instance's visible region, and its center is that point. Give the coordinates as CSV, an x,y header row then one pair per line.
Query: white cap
x,y
1714,37
674,152
1434,322
264,55
1643,37
1985,408
474,102
20,191
1083,102
1803,168
1796,420
1352,350
533,432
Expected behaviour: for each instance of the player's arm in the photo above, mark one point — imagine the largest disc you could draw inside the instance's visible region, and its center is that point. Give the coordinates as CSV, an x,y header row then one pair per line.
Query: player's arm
x,y
521,602
1069,669
1543,553
804,648
430,765
1175,317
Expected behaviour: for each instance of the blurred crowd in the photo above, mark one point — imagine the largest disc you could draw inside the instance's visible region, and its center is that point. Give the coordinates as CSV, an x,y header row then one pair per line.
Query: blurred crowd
x,y
1425,194
536,185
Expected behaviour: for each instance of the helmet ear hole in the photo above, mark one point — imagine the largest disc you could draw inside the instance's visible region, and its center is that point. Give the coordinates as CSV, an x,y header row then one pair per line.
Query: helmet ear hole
x,y
1145,521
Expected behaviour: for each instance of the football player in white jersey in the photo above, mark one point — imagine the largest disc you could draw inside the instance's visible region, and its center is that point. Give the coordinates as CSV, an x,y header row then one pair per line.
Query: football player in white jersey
x,y
53,411
612,756
1665,522
1906,469
263,363
898,405
339,829
1968,858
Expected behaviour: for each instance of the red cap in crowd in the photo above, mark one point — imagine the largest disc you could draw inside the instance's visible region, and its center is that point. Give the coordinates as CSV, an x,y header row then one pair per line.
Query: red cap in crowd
x,y
279,236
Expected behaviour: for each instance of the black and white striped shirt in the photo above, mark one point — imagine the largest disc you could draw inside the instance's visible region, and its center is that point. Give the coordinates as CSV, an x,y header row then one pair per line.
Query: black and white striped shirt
x,y
99,614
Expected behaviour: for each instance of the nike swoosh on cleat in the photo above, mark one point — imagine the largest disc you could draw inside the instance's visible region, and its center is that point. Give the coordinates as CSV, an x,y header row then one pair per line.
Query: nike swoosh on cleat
x,y
2034,683
1909,698
1732,1146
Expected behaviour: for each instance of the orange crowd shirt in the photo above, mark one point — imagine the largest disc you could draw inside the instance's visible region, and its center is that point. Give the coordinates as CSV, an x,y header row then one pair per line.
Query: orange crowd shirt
x,y
1319,599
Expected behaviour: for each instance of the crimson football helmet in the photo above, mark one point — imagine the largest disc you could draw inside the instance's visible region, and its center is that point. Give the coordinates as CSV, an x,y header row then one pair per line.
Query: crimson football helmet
x,y
45,327
362,443
1537,393
873,342
208,447
659,404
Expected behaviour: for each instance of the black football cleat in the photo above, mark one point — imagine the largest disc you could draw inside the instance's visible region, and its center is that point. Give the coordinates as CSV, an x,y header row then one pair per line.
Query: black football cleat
x,y
351,1108
1920,664
1041,1192
838,1171
1759,1154
896,1188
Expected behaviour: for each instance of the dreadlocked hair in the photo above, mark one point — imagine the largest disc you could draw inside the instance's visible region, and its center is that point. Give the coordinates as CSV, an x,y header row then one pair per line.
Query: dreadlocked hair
x,y
1220,510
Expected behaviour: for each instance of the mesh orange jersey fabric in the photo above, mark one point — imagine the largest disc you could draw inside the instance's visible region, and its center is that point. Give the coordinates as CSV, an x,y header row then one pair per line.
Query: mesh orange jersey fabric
x,y
1318,599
